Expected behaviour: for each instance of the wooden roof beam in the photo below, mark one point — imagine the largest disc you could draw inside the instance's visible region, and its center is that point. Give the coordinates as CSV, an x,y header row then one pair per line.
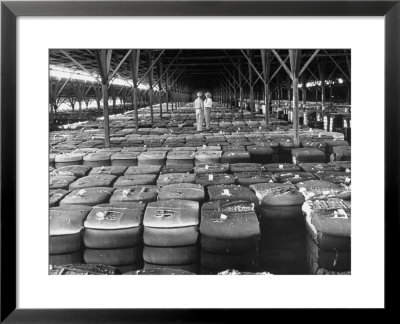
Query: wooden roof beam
x,y
119,65
277,70
254,68
77,63
230,74
338,66
152,65
308,62
282,63
69,78
238,68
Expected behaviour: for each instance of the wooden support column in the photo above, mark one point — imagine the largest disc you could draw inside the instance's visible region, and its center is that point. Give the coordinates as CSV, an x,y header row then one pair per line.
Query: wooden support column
x,y
172,99
53,97
241,93
349,84
51,113
87,102
289,95
323,92
175,98
279,95
296,112
266,63
304,89
80,108
230,98
98,94
78,90
304,93
103,58
251,84
134,60
321,71
112,94
72,101
227,94
166,90
104,89
150,64
295,58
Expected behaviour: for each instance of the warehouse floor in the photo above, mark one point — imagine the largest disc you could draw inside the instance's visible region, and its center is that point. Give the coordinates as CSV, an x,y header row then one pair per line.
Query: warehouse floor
x,y
168,198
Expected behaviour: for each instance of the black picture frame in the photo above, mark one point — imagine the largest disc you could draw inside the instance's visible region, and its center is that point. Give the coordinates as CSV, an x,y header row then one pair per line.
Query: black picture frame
x,y
10,10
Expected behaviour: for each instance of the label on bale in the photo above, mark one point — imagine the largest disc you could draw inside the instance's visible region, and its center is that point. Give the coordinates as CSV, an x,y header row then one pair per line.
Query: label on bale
x,y
237,207
210,177
171,214
340,213
326,205
108,215
81,193
126,193
113,217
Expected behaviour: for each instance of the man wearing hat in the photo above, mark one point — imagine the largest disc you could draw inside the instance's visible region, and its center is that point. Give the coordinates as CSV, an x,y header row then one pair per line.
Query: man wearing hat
x,y
199,106
207,110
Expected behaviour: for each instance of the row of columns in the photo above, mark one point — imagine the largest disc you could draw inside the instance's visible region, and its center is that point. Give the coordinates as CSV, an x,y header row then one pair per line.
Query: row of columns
x,y
172,86
283,92
323,95
229,84
78,97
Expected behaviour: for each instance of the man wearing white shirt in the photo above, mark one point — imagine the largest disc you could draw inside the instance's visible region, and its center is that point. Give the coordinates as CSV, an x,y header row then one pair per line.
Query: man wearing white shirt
x,y
207,110
199,106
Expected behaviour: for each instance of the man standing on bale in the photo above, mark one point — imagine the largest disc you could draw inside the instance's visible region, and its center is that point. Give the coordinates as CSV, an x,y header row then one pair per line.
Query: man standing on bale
x,y
199,106
207,110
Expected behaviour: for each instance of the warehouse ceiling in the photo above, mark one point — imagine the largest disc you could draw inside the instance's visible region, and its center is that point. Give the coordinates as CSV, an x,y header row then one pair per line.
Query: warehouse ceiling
x,y
192,69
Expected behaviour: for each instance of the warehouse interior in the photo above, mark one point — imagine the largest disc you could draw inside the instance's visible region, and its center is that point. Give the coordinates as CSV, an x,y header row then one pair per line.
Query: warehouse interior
x,y
138,186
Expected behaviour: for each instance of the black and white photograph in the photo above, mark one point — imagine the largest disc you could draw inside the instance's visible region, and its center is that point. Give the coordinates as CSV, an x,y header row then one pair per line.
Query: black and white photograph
x,y
207,146
199,161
